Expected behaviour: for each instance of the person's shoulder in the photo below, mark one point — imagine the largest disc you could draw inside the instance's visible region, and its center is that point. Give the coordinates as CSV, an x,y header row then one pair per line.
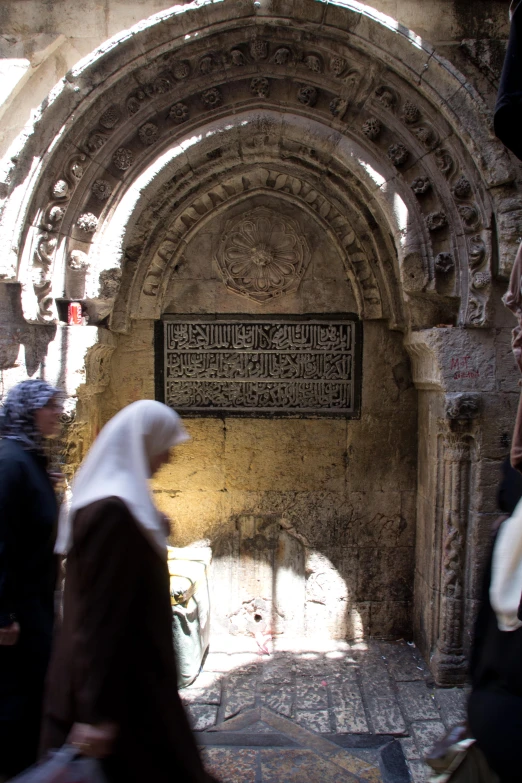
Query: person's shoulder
x,y
12,456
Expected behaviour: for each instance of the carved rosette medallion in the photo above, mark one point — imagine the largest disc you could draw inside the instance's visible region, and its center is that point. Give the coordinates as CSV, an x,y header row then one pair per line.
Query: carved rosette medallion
x,y
123,158
212,97
262,255
260,86
372,128
101,189
148,133
110,117
179,113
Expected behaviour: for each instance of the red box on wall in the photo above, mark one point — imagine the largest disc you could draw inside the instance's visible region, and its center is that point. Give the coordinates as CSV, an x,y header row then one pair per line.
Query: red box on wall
x,y
74,314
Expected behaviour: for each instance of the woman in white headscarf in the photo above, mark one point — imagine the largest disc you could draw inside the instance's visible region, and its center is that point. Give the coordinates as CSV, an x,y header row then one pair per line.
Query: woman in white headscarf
x,y
112,684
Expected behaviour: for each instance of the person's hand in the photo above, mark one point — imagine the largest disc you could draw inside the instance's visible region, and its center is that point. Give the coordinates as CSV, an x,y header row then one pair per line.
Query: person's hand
x,y
94,741
9,635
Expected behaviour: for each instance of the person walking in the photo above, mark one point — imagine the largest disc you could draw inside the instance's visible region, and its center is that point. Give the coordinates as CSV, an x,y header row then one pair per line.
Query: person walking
x,y
111,689
28,517
495,702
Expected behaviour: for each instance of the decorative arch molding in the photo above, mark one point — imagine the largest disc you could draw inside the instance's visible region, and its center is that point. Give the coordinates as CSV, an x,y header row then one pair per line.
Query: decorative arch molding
x,y
393,120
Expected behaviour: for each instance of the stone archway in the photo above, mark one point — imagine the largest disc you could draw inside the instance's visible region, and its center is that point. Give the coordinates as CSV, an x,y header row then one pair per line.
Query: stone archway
x,y
350,122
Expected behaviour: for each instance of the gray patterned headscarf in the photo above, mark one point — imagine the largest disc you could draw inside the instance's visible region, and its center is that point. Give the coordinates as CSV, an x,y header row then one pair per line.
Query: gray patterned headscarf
x,y
17,420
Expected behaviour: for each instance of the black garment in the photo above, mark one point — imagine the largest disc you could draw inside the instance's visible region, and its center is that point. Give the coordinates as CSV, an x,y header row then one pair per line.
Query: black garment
x,y
495,704
508,111
113,659
510,488
28,513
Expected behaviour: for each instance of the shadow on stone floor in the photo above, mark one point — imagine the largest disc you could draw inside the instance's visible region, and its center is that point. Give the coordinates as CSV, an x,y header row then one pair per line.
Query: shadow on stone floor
x,y
371,705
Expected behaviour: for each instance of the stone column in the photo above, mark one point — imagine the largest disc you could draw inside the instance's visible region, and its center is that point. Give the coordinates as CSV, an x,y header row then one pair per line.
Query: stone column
x,y
455,470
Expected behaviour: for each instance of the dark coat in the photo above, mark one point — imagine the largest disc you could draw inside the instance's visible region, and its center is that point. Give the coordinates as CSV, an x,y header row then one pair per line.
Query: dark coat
x,y
28,513
114,658
508,110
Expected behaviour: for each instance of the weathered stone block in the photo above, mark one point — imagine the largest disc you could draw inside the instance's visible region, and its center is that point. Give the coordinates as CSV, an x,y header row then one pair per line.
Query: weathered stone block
x,y
385,574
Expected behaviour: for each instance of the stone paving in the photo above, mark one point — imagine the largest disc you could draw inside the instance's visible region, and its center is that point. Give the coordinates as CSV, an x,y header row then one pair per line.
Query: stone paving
x,y
366,692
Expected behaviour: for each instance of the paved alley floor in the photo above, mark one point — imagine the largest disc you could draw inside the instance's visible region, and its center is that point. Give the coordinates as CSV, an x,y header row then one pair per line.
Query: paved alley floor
x,y
353,712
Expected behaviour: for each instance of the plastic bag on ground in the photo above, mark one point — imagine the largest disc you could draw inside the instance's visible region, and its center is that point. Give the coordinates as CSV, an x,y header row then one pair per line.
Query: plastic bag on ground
x,y
63,766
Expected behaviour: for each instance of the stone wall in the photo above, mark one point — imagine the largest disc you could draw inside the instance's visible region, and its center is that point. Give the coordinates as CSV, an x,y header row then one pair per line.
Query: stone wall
x,y
344,489
380,153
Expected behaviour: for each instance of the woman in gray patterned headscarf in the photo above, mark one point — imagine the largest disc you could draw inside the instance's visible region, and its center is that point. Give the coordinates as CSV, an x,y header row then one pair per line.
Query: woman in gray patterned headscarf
x,y
28,515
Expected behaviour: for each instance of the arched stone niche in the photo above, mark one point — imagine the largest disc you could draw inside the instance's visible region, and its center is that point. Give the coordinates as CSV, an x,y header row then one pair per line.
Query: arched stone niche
x,y
368,137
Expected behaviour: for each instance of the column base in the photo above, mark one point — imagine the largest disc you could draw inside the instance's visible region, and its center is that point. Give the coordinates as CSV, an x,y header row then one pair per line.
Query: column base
x,y
449,669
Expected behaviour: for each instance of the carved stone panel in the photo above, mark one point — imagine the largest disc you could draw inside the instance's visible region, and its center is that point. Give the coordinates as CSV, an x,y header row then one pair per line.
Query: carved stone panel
x,y
262,255
260,367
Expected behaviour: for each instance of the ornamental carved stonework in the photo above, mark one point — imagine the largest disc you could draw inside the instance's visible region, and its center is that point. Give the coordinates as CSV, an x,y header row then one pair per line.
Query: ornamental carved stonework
x,y
372,128
262,255
123,158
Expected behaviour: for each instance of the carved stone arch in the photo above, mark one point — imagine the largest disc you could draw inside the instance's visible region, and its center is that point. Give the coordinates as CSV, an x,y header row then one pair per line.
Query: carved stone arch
x,y
116,110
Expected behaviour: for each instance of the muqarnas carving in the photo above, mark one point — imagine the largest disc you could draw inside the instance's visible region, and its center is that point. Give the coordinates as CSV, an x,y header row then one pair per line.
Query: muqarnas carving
x,y
262,255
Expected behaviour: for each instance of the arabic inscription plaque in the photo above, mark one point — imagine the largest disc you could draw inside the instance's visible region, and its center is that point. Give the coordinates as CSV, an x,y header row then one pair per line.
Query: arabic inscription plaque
x,y
262,367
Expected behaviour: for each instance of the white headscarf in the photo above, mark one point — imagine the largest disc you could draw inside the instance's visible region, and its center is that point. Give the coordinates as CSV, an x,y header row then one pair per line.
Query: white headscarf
x,y
506,574
118,465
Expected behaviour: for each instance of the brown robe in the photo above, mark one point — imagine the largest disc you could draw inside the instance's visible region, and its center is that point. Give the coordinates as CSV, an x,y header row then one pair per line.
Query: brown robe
x,y
513,300
113,658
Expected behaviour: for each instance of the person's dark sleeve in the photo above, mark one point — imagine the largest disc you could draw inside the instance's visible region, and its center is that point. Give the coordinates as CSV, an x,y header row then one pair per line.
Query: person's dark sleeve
x,y
108,570
11,513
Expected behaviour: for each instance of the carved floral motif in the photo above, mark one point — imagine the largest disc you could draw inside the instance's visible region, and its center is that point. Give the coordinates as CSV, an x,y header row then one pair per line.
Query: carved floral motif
x,y
444,263
307,95
179,113
162,85
78,260
87,222
481,280
123,158
56,214
212,97
398,153
421,185
436,220
372,128
260,86
262,255
148,133
60,189
101,189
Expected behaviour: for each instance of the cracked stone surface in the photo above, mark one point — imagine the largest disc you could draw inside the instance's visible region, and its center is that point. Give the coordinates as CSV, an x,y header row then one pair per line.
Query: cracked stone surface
x,y
373,688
